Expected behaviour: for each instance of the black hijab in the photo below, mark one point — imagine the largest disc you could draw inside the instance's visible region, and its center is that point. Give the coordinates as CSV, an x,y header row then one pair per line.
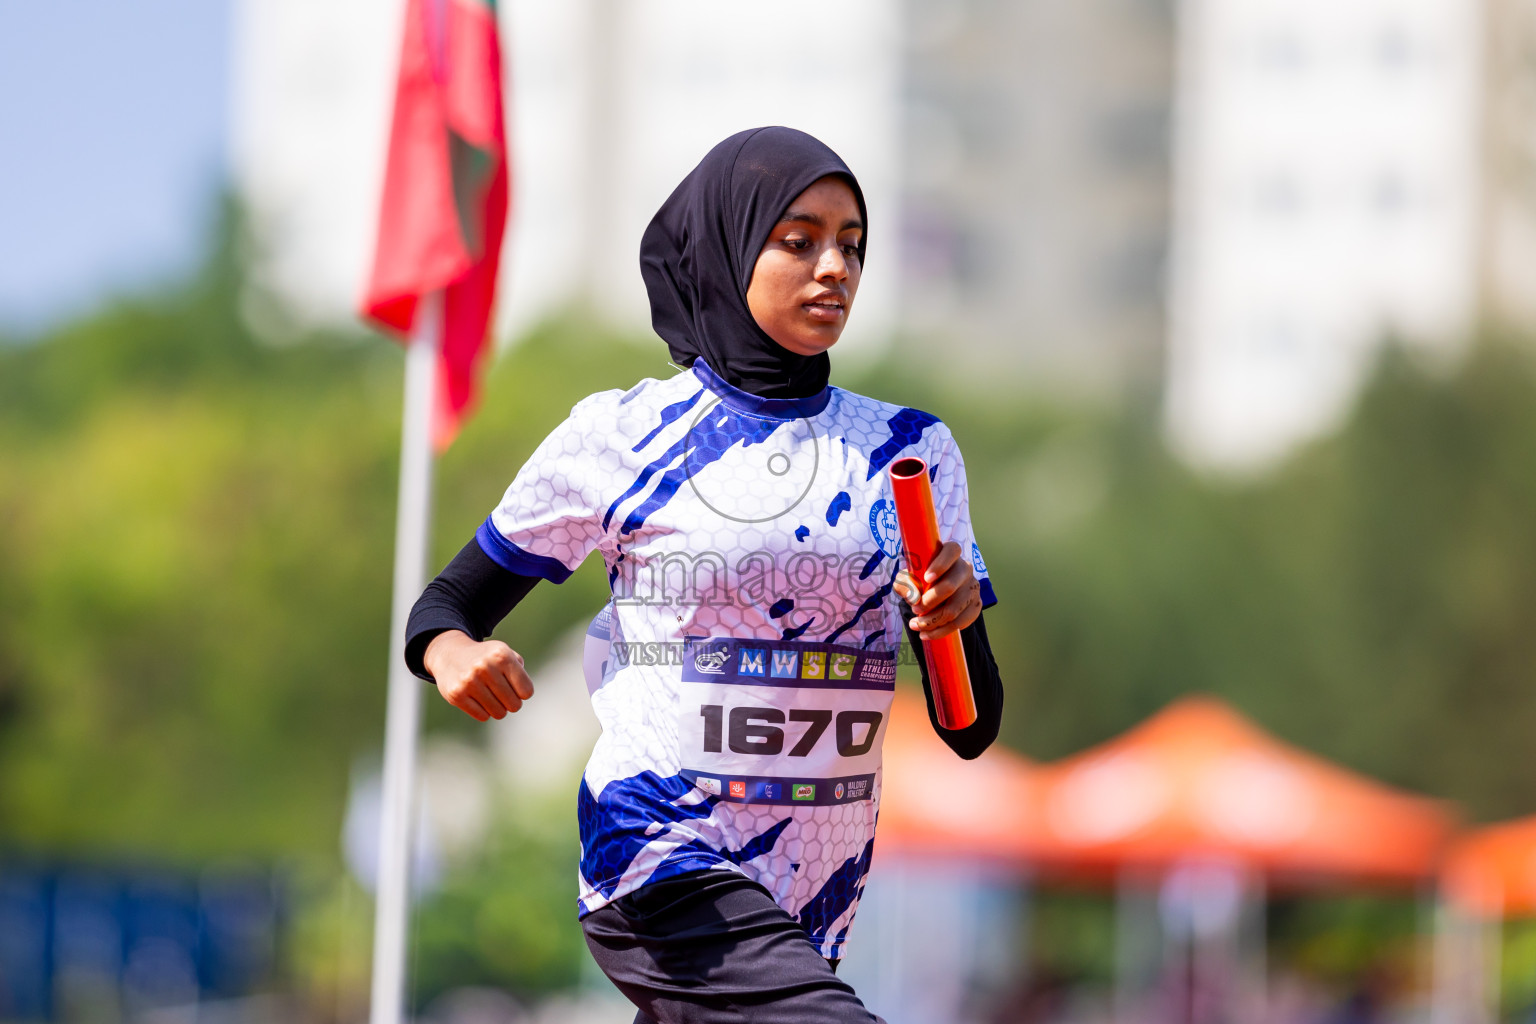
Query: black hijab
x,y
698,253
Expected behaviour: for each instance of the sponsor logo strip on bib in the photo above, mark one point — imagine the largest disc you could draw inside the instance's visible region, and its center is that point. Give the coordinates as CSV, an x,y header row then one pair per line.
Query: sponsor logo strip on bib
x,y
760,789
787,663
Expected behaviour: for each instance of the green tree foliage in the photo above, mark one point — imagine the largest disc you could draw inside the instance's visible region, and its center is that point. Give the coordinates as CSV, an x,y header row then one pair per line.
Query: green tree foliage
x,y
1368,600
508,917
191,579
195,567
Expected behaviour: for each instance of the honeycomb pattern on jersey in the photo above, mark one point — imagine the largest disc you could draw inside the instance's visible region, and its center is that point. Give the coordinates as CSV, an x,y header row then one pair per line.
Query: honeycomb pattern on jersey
x,y
715,520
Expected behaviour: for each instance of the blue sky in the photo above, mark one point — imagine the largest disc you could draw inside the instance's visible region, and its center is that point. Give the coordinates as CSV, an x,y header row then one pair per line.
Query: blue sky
x,y
113,132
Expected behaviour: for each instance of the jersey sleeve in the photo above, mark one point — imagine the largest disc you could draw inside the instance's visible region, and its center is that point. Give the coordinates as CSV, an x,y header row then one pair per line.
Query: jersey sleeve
x,y
550,518
952,505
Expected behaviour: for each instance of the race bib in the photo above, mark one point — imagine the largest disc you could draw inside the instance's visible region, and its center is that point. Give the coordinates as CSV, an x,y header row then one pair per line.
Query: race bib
x,y
782,722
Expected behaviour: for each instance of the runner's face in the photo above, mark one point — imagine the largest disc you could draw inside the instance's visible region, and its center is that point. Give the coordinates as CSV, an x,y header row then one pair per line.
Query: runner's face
x,y
808,270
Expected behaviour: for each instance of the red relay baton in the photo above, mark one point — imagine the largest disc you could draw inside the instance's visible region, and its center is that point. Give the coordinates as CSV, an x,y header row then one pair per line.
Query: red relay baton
x,y
947,672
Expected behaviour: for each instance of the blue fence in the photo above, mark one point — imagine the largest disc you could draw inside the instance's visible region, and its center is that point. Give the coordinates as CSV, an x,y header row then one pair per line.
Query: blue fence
x,y
87,943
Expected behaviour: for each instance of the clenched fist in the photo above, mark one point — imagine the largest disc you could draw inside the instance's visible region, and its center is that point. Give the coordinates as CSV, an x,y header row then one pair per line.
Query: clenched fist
x,y
483,679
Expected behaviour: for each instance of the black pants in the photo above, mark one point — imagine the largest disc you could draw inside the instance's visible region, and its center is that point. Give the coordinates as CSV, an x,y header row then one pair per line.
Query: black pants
x,y
713,948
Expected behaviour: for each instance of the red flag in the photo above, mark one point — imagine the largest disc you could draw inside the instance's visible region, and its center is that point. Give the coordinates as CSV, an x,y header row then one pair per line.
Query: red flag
x,y
445,192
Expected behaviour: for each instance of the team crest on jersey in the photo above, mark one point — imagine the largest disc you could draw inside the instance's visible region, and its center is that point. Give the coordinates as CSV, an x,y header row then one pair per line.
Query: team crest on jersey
x,y
884,528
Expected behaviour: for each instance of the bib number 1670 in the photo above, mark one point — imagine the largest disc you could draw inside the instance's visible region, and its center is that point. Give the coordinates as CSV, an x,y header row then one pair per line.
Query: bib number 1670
x,y
757,730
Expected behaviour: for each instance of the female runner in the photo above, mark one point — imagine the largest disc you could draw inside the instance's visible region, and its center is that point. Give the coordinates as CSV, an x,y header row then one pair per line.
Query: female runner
x,y
727,814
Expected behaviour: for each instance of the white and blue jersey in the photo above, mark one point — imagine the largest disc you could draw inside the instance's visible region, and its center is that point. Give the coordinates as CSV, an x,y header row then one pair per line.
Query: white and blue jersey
x,y
751,547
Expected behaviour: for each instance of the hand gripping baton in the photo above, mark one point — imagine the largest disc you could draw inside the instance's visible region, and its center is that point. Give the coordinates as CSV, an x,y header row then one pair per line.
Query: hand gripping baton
x,y
947,672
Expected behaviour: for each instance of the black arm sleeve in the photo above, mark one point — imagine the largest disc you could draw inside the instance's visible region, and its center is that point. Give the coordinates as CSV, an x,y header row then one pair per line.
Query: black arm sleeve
x,y
471,594
985,686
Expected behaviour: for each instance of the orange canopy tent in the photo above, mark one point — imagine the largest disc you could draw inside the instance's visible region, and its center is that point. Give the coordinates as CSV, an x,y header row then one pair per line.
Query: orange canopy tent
x,y
1491,872
1198,780
932,802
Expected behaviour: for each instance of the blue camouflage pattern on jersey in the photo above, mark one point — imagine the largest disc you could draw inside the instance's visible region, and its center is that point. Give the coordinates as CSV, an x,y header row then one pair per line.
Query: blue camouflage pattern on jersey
x,y
719,514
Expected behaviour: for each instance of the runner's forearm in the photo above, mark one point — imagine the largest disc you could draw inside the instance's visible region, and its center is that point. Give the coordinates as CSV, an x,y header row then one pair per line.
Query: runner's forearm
x,y
472,594
986,686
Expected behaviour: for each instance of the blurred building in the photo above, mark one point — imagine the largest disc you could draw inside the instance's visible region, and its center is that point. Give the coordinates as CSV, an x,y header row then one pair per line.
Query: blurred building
x,y
1326,197
1035,188
611,104
311,92
1228,202
1015,158
1507,232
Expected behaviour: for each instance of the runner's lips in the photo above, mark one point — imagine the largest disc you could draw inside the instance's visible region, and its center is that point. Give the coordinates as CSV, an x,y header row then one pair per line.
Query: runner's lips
x,y
828,306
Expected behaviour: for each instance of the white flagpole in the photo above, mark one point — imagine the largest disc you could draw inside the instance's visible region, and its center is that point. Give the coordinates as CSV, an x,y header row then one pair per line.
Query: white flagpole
x,y
412,527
